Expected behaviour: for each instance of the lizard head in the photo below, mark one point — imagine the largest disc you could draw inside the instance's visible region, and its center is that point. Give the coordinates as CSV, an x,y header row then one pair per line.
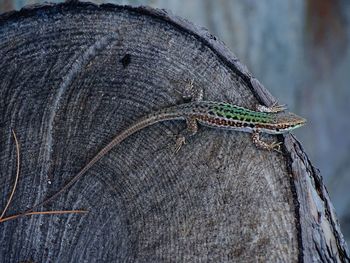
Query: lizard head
x,y
286,121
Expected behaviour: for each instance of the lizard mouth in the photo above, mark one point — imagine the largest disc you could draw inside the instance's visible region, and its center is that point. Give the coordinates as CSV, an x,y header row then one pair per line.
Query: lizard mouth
x,y
301,122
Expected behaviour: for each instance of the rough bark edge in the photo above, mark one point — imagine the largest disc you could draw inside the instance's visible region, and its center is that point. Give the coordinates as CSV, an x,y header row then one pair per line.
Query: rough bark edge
x,y
319,216
295,156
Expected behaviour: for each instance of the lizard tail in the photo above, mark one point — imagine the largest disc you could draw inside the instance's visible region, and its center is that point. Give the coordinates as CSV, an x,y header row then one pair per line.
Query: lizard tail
x,y
162,115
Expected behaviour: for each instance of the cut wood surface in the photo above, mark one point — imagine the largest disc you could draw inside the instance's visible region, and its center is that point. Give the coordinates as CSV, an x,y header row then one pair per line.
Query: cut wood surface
x,y
73,76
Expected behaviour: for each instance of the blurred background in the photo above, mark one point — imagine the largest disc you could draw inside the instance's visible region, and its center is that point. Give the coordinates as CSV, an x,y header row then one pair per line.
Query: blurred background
x,y
299,50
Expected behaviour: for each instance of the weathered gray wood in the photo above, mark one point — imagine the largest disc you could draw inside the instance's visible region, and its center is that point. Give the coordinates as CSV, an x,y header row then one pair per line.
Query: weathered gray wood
x,y
73,76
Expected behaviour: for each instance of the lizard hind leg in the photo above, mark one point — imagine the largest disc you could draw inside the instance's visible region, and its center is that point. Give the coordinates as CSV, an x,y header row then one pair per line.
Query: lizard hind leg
x,y
274,146
192,93
192,128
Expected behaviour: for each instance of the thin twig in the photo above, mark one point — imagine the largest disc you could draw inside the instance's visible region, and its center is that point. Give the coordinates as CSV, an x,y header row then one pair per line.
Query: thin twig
x,y
17,176
44,213
14,189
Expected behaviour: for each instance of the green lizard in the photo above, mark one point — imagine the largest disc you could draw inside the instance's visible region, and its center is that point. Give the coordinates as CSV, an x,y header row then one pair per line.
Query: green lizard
x,y
273,120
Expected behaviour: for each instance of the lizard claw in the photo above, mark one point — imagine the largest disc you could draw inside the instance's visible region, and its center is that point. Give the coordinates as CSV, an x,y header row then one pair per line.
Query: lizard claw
x,y
273,109
179,142
275,146
278,107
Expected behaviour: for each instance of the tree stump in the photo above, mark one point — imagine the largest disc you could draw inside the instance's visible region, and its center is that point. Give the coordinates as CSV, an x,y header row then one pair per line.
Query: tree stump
x,y
74,75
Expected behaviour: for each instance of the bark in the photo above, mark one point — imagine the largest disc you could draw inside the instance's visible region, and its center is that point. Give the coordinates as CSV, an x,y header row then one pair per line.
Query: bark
x,y
74,75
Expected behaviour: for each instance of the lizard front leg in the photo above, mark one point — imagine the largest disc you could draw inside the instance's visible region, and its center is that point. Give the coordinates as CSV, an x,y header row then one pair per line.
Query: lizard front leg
x,y
274,108
192,128
275,146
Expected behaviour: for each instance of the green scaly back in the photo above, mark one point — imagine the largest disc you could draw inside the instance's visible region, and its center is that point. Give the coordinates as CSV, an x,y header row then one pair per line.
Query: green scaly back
x,y
234,112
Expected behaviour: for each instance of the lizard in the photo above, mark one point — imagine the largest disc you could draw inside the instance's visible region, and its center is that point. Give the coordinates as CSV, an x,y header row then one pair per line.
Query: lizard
x,y
269,120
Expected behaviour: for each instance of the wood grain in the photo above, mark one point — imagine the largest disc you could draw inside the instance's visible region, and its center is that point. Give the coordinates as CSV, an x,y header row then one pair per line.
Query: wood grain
x,y
76,74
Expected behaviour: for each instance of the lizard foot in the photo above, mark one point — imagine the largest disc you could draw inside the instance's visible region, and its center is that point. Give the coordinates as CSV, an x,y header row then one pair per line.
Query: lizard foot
x,y
192,128
191,93
274,146
274,108
181,140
